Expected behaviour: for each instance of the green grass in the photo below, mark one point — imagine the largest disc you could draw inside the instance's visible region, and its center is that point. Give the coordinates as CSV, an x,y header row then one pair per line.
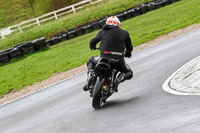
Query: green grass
x,y
72,53
96,11
16,11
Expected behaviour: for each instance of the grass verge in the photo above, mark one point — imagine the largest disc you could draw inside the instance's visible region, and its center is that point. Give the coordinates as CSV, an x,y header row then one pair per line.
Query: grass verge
x,y
17,11
72,53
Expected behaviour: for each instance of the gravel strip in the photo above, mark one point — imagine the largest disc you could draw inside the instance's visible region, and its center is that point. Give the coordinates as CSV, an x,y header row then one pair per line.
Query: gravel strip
x,y
68,74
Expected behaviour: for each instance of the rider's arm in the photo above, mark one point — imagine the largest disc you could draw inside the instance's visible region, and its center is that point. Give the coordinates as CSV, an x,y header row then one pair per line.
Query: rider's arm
x,y
95,40
129,46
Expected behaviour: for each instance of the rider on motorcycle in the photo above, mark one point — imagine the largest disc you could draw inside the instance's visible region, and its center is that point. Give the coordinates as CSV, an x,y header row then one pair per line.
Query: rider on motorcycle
x,y
115,44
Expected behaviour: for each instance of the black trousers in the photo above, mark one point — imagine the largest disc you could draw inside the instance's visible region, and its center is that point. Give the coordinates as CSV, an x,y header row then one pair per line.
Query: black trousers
x,y
119,65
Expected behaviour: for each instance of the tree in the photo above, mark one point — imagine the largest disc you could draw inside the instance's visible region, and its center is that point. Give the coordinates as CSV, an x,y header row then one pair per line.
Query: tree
x,y
31,3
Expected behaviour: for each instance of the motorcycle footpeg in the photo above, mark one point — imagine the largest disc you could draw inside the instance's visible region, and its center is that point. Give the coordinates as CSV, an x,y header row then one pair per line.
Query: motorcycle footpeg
x,y
112,91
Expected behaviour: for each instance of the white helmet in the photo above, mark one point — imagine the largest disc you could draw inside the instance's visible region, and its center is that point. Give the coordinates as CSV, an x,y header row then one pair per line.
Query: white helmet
x,y
113,20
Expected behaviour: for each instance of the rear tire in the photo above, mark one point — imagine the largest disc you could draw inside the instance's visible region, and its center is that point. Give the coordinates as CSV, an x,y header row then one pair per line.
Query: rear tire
x,y
97,100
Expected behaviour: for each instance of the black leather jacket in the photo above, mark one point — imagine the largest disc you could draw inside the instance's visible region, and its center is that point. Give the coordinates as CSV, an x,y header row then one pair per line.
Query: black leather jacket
x,y
114,41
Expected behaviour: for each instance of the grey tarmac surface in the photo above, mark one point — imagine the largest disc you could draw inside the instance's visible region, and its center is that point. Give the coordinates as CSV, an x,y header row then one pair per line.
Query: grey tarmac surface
x,y
140,106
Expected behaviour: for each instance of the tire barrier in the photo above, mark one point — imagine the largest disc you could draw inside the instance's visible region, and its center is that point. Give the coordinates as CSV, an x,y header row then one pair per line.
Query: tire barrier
x,y
128,14
143,8
94,26
25,48
151,6
15,53
41,43
64,37
80,31
87,29
4,58
159,4
71,34
102,22
136,11
52,41
167,2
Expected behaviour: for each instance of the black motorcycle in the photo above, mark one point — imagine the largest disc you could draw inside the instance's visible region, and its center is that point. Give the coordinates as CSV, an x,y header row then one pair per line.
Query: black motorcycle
x,y
103,80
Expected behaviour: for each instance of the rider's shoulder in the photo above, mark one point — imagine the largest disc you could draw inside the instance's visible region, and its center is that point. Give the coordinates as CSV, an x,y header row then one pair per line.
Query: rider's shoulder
x,y
125,31
100,31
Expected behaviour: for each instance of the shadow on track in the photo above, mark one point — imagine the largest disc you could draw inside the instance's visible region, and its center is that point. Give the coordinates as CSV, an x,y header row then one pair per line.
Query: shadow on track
x,y
119,103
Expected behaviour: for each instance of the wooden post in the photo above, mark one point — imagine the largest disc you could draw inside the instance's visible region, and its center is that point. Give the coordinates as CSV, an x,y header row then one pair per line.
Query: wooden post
x,y
2,36
55,15
74,10
20,28
38,22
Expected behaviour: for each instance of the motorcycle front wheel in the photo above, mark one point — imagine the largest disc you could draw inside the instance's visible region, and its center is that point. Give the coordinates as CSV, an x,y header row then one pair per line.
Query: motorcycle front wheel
x,y
97,100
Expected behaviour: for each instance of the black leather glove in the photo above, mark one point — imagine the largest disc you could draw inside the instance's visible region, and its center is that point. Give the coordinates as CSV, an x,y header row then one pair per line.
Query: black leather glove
x,y
92,48
128,55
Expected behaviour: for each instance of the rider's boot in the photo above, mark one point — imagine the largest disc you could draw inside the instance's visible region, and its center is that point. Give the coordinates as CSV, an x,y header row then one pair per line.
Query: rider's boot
x,y
89,80
118,80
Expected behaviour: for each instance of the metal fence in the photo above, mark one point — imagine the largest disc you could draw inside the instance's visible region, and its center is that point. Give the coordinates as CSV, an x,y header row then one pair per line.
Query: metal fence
x,y
51,15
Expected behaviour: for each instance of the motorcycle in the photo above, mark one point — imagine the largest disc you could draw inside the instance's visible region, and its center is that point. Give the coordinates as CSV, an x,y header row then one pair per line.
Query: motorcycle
x,y
103,81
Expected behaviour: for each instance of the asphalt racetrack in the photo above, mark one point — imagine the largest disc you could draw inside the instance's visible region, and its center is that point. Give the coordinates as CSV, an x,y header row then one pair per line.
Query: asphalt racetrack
x,y
140,106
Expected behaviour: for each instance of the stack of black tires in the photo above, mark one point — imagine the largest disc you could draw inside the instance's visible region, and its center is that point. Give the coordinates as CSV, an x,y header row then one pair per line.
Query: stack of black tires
x,y
21,49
